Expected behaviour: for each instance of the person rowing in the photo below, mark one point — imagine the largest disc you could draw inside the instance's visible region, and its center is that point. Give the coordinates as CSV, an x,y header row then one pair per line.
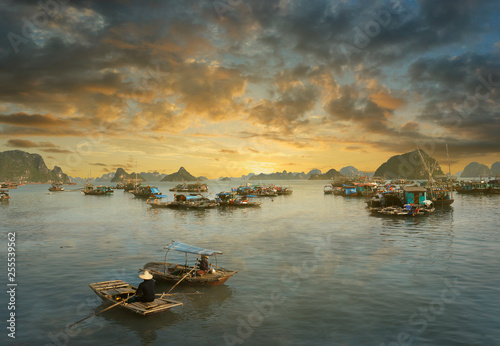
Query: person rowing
x,y
146,290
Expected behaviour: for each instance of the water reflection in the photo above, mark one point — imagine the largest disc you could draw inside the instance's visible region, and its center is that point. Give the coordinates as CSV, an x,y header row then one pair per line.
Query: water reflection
x,y
202,307
425,240
146,328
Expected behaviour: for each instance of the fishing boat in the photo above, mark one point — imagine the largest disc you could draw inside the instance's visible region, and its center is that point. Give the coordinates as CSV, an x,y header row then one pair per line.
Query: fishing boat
x,y
192,201
56,187
4,195
478,188
410,201
196,187
175,272
440,194
9,185
229,199
118,290
119,186
100,190
283,191
349,191
265,191
131,184
328,189
147,192
244,190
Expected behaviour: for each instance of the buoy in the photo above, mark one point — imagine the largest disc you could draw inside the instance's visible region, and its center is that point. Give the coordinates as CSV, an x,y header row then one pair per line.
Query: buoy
x,y
156,201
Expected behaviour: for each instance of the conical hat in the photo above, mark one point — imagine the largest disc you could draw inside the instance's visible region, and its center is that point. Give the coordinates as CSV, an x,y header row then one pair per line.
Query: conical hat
x,y
146,275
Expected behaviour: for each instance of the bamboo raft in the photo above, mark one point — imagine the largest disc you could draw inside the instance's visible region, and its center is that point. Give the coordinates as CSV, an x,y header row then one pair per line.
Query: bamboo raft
x,y
118,290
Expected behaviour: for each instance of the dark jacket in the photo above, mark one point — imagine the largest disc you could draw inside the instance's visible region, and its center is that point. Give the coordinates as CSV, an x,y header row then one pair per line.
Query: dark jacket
x,y
146,291
203,264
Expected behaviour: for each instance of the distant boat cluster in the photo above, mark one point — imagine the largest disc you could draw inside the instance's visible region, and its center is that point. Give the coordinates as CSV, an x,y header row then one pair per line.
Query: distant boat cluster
x,y
193,195
408,198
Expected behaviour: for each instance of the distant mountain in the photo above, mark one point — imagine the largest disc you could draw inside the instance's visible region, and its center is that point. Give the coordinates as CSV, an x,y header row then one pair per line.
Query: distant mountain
x,y
475,169
313,171
349,171
155,176
279,176
180,175
120,175
77,180
17,165
224,179
408,166
495,168
105,177
458,174
247,177
331,174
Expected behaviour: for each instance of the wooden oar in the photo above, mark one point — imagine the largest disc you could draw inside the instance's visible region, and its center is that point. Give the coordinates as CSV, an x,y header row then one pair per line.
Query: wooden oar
x,y
176,294
178,282
95,314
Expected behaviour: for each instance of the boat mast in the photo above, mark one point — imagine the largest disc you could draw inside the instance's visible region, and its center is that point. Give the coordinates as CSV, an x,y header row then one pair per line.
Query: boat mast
x,y
428,171
449,169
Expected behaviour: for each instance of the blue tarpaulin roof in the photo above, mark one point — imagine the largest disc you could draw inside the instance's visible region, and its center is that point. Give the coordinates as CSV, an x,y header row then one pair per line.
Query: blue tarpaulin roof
x,y
191,249
155,190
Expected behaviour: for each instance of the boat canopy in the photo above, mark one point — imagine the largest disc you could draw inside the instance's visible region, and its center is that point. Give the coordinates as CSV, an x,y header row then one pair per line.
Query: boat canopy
x,y
191,249
155,190
414,189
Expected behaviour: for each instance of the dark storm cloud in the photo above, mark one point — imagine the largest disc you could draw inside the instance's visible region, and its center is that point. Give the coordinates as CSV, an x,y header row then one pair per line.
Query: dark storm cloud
x,y
24,143
91,58
351,106
23,119
21,143
57,151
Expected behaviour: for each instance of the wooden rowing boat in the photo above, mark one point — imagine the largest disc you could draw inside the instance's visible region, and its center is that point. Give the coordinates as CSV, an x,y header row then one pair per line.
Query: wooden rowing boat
x,y
175,272
118,290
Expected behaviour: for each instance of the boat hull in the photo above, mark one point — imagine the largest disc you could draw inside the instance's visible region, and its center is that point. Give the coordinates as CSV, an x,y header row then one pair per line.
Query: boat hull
x,y
442,202
173,273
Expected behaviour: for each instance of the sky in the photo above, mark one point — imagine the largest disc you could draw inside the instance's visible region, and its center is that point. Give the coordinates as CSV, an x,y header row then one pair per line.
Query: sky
x,y
229,87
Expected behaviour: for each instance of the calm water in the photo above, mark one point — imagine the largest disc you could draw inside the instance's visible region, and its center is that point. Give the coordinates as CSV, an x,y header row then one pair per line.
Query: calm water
x,y
313,270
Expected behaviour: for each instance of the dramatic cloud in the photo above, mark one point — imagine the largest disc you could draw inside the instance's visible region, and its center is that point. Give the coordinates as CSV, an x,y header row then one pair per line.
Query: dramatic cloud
x,y
305,77
24,143
21,143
